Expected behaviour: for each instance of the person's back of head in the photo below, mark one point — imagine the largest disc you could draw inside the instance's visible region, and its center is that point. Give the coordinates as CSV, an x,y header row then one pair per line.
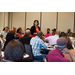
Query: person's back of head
x,y
14,51
62,34
57,32
27,32
39,34
61,43
10,36
73,34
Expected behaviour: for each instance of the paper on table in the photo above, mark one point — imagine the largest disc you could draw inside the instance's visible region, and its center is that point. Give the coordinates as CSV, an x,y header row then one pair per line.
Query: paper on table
x,y
2,53
25,56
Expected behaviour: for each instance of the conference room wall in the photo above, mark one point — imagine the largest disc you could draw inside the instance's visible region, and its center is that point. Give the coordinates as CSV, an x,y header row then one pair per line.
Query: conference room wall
x,y
1,21
65,21
48,21
30,17
6,19
18,20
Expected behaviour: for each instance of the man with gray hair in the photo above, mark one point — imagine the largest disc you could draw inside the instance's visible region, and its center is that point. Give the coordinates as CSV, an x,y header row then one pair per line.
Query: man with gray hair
x,y
56,55
26,39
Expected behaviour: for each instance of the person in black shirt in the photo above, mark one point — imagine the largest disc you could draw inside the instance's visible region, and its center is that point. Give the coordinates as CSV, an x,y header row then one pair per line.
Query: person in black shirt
x,y
35,28
69,33
26,39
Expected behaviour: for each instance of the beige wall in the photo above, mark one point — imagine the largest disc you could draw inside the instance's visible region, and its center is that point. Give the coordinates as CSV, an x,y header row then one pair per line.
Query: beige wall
x,y
6,18
1,21
65,21
30,17
18,20
48,20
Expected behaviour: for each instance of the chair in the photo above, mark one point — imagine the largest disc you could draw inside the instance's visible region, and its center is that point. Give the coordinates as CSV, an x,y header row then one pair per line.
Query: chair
x,y
28,50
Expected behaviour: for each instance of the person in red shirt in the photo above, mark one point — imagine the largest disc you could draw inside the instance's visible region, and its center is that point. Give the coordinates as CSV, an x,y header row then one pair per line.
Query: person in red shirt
x,y
56,55
48,33
19,33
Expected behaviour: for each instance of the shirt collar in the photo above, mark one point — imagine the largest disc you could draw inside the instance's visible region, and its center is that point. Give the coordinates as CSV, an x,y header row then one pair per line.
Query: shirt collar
x,y
56,35
59,52
37,37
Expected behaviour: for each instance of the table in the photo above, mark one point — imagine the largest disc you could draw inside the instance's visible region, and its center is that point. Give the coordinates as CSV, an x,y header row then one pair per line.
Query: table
x,y
25,56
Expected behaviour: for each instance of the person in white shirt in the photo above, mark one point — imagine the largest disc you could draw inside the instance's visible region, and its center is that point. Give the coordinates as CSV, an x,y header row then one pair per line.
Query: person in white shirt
x,y
1,43
52,39
4,33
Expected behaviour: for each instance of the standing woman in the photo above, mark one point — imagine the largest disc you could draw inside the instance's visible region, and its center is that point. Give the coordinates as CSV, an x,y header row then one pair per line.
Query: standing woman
x,y
35,28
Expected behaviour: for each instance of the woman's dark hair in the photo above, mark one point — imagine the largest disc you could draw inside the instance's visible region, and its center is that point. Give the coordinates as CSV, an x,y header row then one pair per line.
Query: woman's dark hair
x,y
18,30
14,51
4,29
69,43
35,21
62,34
10,36
48,28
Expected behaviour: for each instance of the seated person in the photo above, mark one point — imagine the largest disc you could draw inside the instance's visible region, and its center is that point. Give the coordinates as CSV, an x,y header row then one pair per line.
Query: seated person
x,y
37,43
4,32
56,55
52,40
14,30
26,39
13,51
10,36
69,32
48,33
10,30
19,33
53,31
30,33
69,43
62,34
1,43
73,39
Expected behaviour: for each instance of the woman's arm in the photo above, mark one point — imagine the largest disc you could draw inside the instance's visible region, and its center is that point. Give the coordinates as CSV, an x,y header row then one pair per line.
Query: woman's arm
x,y
65,50
33,30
